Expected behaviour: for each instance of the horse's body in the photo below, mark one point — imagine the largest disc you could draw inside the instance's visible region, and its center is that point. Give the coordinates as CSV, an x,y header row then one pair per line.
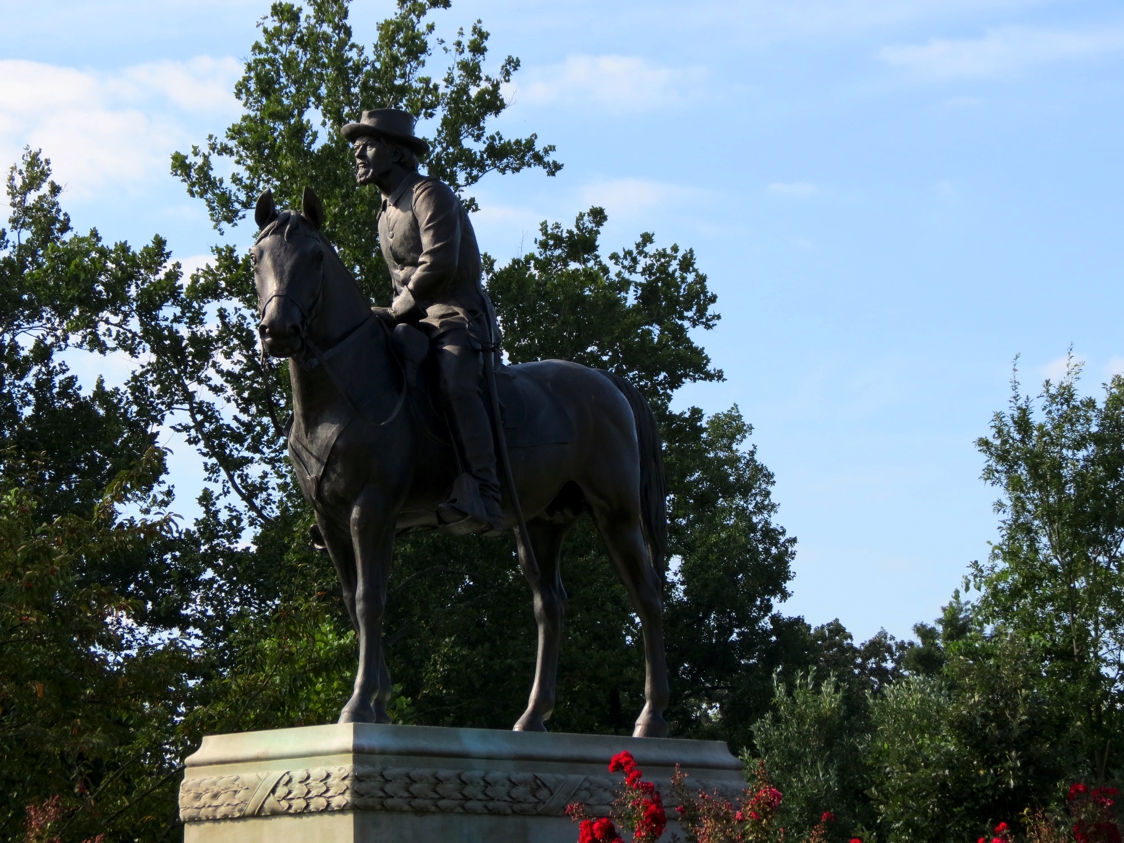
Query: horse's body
x,y
373,462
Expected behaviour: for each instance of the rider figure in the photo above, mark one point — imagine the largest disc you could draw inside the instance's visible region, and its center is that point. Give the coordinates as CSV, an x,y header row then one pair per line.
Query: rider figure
x,y
434,261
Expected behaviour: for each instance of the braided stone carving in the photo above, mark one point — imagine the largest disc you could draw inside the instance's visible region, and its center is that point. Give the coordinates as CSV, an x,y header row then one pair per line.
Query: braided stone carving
x,y
365,788
389,789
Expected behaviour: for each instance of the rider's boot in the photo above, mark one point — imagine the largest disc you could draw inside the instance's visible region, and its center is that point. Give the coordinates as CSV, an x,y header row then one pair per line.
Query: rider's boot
x,y
474,504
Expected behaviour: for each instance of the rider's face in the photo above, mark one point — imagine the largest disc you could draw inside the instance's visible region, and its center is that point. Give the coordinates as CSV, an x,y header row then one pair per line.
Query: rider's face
x,y
374,159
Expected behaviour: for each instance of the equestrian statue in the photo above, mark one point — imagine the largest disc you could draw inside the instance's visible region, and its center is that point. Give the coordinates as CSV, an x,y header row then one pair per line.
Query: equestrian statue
x,y
405,418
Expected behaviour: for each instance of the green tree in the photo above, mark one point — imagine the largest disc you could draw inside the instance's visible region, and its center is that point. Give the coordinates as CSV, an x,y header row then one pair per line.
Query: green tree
x,y
956,752
58,290
813,752
1056,575
84,694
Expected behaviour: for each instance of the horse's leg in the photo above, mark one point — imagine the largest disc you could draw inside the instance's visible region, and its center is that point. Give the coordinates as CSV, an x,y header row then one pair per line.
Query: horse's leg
x,y
342,553
372,533
620,528
382,695
550,604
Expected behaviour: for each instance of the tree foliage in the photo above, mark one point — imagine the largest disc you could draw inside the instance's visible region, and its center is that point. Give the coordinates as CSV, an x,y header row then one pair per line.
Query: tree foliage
x,y
813,751
976,742
1056,576
87,697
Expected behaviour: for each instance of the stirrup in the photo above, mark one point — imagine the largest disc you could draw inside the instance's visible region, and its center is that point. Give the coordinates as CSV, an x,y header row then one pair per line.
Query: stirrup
x,y
465,511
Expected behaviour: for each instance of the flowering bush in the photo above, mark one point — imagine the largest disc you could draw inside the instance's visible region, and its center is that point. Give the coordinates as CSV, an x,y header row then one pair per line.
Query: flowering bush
x,y
1090,811
1093,815
708,818
639,808
704,818
41,820
1003,834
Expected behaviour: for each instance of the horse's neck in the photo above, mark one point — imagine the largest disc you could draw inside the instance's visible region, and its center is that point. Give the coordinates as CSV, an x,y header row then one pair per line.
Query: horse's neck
x,y
343,307
363,356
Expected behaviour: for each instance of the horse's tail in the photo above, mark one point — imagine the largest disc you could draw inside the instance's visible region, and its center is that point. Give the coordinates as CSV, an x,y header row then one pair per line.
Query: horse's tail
x,y
653,485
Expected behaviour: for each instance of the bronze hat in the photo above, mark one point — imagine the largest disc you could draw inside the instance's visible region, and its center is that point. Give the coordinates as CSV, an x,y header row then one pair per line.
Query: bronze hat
x,y
392,123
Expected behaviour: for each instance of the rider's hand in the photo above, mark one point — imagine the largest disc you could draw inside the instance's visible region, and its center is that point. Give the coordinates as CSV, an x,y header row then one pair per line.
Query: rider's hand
x,y
385,315
404,308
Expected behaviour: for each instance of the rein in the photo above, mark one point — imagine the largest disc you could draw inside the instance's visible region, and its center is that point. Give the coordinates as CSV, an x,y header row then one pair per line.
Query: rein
x,y
322,357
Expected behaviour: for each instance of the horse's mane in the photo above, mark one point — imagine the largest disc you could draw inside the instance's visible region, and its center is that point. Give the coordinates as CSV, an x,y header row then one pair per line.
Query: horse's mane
x,y
286,222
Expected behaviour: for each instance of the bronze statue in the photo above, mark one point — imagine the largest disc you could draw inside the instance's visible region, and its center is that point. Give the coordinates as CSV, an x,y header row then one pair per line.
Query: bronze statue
x,y
376,392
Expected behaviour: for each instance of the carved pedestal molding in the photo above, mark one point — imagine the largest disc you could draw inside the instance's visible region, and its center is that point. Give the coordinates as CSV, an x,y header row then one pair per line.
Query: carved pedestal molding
x,y
387,784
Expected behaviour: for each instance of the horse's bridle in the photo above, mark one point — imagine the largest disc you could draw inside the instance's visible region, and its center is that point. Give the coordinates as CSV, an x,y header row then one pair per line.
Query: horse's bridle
x,y
313,311
321,357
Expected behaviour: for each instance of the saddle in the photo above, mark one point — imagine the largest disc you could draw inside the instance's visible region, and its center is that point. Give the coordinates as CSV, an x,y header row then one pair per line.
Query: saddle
x,y
531,414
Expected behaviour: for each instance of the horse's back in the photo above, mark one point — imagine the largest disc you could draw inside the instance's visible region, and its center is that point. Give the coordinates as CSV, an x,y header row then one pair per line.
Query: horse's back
x,y
573,404
556,401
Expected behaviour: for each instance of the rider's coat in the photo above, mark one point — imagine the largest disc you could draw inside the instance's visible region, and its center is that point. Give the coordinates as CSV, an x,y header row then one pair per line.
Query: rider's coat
x,y
430,247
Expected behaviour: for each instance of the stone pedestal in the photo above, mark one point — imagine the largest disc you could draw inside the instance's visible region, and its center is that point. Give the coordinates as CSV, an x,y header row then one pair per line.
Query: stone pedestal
x,y
360,783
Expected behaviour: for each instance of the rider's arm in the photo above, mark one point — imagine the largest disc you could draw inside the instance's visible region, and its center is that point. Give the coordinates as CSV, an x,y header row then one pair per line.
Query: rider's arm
x,y
438,212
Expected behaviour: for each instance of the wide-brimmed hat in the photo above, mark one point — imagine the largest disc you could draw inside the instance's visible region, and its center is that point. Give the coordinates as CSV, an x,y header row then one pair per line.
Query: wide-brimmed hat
x,y
392,123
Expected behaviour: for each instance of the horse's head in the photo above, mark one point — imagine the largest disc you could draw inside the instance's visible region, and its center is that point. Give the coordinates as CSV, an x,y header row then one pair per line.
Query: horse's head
x,y
288,259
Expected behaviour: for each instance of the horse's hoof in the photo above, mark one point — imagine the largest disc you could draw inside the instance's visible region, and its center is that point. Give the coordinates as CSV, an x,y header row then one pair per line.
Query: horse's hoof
x,y
650,724
529,723
381,714
356,712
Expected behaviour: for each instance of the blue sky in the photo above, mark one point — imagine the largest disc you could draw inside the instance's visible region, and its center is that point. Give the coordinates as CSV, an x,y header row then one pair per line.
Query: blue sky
x,y
892,199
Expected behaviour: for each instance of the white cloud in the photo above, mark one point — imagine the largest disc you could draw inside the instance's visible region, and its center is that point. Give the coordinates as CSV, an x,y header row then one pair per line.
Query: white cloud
x,y
793,190
630,197
963,102
1002,52
763,21
620,82
191,264
1114,367
1055,370
945,190
202,84
114,128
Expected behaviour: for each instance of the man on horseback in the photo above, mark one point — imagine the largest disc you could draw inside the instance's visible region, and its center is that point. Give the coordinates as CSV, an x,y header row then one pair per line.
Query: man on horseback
x,y
430,248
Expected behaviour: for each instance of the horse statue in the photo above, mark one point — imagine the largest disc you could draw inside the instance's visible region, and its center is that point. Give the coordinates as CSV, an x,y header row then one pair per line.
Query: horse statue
x,y
373,458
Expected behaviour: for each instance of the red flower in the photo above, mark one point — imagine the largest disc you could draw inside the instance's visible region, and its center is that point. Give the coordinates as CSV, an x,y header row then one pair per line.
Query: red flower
x,y
1103,796
1078,789
622,761
827,817
603,831
1002,827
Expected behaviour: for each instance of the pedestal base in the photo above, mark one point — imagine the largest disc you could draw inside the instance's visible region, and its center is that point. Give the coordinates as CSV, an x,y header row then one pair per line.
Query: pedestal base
x,y
361,783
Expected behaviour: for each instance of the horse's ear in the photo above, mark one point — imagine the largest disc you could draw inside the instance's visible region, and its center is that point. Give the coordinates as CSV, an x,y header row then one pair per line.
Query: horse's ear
x,y
312,209
265,211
